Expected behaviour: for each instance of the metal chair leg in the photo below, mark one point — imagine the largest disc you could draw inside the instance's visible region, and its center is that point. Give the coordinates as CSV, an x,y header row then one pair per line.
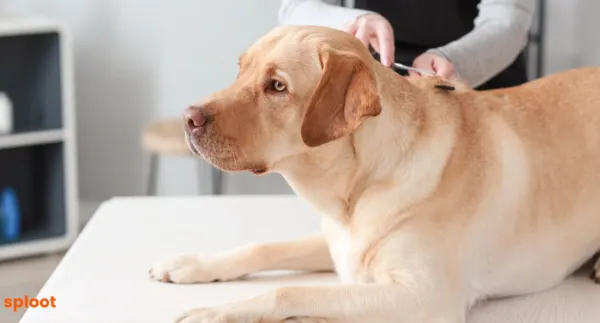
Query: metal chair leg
x,y
541,8
199,174
152,175
216,184
217,181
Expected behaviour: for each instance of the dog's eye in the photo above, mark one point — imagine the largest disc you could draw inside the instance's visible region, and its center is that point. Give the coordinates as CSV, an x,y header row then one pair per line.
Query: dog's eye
x,y
278,86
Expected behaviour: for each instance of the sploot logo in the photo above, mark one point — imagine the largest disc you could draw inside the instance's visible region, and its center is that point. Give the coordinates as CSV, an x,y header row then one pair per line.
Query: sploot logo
x,y
16,303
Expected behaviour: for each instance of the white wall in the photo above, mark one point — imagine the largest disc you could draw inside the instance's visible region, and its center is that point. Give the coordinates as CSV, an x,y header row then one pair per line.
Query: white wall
x,y
571,34
138,60
562,47
587,33
144,59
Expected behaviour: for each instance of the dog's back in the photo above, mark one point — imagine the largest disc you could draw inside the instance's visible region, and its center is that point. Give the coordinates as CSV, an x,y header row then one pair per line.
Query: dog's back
x,y
542,187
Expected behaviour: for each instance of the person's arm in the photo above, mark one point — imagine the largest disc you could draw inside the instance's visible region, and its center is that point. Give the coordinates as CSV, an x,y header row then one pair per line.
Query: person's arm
x,y
500,34
327,13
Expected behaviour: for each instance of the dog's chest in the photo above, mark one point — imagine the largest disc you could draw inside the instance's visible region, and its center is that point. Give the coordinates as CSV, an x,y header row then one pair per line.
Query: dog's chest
x,y
346,254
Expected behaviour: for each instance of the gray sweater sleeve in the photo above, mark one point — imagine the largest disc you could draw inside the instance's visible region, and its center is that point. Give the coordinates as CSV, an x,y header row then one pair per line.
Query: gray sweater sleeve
x,y
500,33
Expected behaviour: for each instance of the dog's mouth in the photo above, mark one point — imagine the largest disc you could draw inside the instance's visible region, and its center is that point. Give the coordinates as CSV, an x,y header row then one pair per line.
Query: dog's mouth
x,y
211,152
259,171
222,153
191,146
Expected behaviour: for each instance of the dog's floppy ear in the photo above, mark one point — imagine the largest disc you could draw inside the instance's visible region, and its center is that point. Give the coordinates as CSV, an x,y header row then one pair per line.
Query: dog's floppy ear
x,y
345,96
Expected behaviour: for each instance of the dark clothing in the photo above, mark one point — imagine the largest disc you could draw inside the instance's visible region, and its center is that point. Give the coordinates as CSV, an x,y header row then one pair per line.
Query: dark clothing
x,y
420,25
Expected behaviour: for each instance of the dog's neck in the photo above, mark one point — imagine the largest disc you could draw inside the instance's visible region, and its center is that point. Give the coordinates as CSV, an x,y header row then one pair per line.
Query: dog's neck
x,y
335,177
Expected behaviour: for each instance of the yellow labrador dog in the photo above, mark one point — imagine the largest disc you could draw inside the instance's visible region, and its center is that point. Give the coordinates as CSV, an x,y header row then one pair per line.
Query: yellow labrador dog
x,y
432,198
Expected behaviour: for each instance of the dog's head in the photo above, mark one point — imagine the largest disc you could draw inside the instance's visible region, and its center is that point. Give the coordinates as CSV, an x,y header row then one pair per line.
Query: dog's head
x,y
298,88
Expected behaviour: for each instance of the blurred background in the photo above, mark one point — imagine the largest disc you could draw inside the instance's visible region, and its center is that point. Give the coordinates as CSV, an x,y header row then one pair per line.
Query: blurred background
x,y
141,60
137,62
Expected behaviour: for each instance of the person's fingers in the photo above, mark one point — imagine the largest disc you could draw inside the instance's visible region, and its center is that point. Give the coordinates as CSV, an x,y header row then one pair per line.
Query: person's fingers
x,y
443,68
351,28
423,62
413,73
363,35
372,30
375,44
385,40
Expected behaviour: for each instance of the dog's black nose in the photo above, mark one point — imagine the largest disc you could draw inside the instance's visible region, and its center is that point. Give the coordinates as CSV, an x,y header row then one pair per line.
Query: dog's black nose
x,y
195,118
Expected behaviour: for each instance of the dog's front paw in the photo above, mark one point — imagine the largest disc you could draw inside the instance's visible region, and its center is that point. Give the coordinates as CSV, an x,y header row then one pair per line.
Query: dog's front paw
x,y
189,269
203,316
209,315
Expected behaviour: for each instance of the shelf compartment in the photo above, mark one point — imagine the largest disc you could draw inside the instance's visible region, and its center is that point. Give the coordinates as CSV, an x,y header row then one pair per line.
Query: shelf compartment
x,y
31,138
30,74
19,25
36,175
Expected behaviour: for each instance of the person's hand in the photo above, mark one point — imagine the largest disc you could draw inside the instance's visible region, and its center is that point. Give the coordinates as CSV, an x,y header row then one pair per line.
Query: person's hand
x,y
439,65
374,30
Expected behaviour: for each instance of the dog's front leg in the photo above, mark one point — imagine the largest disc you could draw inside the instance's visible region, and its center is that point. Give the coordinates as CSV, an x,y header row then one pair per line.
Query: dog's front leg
x,y
310,254
369,303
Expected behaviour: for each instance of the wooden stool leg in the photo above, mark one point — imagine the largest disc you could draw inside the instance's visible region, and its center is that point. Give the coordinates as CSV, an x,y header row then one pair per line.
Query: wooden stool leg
x,y
152,175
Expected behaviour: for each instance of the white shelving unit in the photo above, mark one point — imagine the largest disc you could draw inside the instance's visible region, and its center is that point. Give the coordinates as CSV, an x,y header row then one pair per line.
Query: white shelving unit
x,y
38,159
